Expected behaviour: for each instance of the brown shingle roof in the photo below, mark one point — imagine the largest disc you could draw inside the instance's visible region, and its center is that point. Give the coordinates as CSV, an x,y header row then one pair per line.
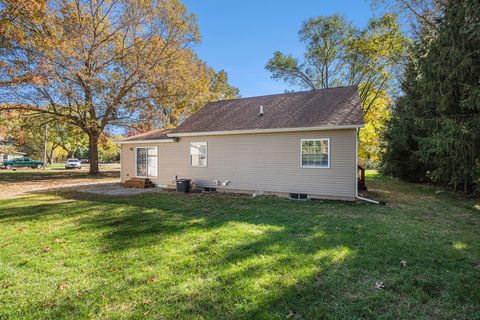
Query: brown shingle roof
x,y
326,107
158,134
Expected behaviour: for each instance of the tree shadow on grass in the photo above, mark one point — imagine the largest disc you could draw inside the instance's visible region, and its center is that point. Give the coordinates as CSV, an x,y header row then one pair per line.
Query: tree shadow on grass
x,y
145,216
235,257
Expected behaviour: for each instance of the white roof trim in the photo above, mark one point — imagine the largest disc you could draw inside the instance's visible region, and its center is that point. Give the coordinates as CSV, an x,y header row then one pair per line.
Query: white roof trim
x,y
145,141
216,133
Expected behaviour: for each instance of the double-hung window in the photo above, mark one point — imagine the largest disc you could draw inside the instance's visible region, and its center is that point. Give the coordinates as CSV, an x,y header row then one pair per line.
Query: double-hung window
x,y
198,154
146,160
315,153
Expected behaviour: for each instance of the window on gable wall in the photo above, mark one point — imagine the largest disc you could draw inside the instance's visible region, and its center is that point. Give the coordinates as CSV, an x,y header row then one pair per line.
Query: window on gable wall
x,y
315,153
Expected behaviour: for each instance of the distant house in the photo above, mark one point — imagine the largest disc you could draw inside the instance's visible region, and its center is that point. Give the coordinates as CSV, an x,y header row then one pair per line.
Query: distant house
x,y
302,145
7,150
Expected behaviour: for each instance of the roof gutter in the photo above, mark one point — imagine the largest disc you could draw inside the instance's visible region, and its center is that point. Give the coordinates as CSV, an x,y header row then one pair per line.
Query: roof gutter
x,y
145,141
274,130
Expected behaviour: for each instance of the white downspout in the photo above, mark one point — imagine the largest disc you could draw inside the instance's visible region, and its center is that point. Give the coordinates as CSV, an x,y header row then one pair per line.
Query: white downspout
x,y
368,200
356,174
356,163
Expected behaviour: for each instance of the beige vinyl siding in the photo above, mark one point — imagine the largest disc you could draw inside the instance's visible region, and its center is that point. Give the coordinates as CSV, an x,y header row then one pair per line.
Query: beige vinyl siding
x,y
269,162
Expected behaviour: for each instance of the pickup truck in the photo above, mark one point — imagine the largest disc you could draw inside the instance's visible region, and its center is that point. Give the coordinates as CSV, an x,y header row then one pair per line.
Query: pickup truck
x,y
23,162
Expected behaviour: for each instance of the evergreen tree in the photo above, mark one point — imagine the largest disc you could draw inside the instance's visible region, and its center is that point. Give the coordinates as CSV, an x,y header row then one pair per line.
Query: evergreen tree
x,y
400,158
451,86
436,124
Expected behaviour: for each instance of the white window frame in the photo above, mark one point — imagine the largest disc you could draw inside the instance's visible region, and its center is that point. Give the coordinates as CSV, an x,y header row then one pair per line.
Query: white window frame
x,y
190,154
315,166
147,176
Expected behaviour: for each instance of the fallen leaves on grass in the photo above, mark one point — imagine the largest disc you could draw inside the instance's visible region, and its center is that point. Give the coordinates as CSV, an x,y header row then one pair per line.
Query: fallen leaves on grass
x,y
49,304
379,285
46,249
290,314
62,286
147,301
5,285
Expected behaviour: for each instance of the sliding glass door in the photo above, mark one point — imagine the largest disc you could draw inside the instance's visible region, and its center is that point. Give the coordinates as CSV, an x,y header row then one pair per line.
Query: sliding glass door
x,y
146,162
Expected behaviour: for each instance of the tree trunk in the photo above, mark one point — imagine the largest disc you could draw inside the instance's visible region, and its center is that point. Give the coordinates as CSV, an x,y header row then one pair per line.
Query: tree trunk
x,y
93,144
50,155
70,153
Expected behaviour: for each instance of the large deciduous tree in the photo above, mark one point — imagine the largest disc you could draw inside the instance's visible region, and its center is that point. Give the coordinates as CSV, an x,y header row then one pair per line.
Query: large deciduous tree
x,y
93,63
419,17
339,54
13,38
326,40
189,85
37,135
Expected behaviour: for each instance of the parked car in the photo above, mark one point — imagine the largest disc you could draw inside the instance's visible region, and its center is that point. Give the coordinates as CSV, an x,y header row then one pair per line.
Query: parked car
x,y
23,162
84,161
73,164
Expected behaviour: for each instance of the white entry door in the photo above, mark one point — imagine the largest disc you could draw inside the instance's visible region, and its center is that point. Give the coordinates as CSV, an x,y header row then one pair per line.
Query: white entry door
x,y
146,162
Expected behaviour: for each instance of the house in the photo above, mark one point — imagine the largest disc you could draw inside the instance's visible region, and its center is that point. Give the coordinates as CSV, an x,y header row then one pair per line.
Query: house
x,y
7,150
301,144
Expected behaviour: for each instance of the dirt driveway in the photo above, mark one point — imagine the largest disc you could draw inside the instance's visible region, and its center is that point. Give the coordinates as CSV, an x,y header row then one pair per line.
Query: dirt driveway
x,y
24,181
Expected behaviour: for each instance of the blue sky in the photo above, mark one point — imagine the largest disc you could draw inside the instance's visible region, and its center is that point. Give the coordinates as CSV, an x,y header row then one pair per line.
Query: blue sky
x,y
240,36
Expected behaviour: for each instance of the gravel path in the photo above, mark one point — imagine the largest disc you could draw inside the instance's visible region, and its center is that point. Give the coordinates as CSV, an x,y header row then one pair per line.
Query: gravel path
x,y
15,189
22,186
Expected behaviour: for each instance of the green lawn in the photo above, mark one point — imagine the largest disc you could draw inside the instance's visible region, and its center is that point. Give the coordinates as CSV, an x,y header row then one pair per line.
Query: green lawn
x,y
169,256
